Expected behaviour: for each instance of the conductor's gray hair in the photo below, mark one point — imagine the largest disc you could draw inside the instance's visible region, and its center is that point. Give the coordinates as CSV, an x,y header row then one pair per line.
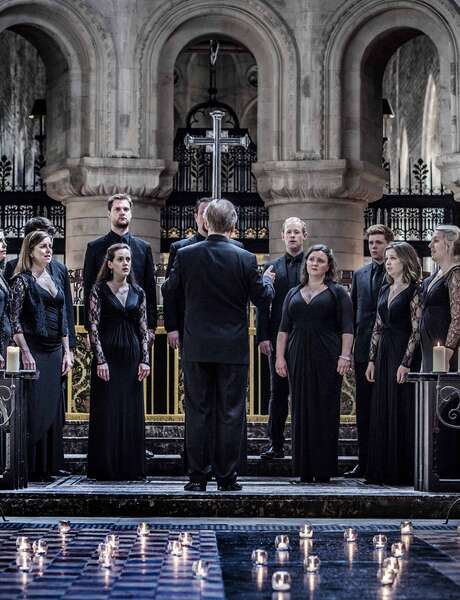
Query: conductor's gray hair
x,y
221,215
451,234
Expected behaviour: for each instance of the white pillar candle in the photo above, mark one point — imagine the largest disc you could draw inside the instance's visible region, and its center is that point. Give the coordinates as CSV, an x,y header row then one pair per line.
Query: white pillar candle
x,y
200,569
40,547
259,557
174,547
143,529
350,534
281,581
388,577
398,549
380,540
439,359
185,538
391,563
406,528
282,542
306,531
312,563
64,527
12,359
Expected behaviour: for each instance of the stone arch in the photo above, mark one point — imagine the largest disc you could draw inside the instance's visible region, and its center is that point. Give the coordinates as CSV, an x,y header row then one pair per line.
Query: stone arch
x,y
365,34
75,31
251,23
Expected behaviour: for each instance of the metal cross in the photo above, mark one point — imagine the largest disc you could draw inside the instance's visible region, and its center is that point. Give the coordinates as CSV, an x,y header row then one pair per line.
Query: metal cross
x,y
216,141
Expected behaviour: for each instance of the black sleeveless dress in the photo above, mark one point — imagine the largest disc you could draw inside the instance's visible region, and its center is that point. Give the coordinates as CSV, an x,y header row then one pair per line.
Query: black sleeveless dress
x,y
391,430
119,337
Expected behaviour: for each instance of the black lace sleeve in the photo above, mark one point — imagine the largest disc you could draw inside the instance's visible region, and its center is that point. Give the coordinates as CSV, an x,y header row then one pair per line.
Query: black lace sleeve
x,y
143,330
375,338
415,315
18,294
94,317
453,335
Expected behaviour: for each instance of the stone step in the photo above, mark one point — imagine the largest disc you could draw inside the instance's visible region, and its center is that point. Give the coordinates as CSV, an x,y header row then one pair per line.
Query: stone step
x,y
174,445
172,465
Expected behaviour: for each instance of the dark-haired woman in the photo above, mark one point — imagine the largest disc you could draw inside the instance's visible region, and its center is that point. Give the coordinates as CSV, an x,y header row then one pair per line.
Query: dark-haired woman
x,y
119,340
314,347
40,330
393,346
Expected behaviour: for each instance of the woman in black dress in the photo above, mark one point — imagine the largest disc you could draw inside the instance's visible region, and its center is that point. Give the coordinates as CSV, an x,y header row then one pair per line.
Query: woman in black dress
x,y
119,339
393,345
5,324
440,324
314,347
40,330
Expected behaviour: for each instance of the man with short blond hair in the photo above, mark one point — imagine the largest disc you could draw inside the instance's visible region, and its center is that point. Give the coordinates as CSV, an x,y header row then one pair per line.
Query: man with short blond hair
x,y
287,270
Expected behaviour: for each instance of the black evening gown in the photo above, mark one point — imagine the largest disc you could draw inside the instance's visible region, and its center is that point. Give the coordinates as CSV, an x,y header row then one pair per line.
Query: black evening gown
x,y
391,429
314,346
440,323
116,444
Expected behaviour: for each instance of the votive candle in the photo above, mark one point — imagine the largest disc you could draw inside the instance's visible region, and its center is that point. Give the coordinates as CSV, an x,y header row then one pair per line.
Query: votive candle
x,y
306,531
40,547
112,540
200,569
312,563
388,577
143,529
350,534
439,359
282,542
175,548
398,549
406,528
64,527
281,581
12,359
391,563
259,557
23,544
105,548
185,538
105,560
380,540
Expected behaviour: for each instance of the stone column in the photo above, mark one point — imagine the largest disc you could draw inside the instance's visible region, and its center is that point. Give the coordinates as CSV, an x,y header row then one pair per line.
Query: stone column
x,y
330,195
449,165
83,186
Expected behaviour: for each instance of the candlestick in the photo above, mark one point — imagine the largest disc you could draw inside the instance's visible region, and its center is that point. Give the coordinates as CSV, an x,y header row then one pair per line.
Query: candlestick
x,y
174,548
380,540
64,527
406,528
143,529
388,577
185,538
259,557
312,563
306,531
23,544
281,581
398,549
391,563
439,359
12,359
282,542
200,569
350,534
40,547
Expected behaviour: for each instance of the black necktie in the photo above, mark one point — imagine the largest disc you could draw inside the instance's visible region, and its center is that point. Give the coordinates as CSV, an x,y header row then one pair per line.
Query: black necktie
x,y
293,267
377,278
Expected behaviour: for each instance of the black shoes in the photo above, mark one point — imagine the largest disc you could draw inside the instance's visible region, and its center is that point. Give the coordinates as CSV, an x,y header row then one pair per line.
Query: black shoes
x,y
356,472
230,487
149,455
272,454
195,486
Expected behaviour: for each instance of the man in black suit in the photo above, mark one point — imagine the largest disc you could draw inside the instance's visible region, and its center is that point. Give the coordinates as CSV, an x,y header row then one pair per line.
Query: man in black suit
x,y
287,275
120,214
365,289
56,269
218,279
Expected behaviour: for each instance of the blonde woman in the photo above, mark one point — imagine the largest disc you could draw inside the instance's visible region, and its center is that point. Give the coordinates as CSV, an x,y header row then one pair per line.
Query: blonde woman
x,y
40,330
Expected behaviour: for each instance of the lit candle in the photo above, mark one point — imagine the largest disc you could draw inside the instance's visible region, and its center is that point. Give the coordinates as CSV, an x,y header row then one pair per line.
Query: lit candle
x,y
398,549
105,560
350,534
282,542
406,528
12,359
143,529
200,569
306,531
105,548
391,563
259,557
64,527
388,576
112,540
185,538
380,540
40,547
23,544
174,548
281,581
24,562
439,359
312,563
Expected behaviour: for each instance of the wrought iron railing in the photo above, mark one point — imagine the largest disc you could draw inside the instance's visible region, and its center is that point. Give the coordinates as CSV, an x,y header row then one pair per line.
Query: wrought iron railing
x,y
21,173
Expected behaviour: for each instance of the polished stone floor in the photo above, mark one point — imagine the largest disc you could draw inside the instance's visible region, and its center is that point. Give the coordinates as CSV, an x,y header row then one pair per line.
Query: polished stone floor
x,y
430,570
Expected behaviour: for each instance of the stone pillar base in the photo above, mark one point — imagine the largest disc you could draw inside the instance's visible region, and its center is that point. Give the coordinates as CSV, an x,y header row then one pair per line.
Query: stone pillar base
x,y
329,195
84,185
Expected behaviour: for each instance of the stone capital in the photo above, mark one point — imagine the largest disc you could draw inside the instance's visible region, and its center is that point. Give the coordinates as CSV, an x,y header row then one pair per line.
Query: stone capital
x,y
449,165
145,179
282,182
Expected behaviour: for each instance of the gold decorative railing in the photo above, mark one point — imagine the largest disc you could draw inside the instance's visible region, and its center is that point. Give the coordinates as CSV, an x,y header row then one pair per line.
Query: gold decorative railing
x,y
164,390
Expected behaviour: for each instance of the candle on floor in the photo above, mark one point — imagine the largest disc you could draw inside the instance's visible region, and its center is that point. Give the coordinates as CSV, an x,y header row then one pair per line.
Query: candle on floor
x,y
112,540
398,549
388,577
380,540
174,548
350,534
281,581
312,563
24,562
64,527
106,560
439,359
105,548
12,359
406,528
391,563
259,557
23,544
306,531
185,538
40,547
200,569
143,529
282,542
